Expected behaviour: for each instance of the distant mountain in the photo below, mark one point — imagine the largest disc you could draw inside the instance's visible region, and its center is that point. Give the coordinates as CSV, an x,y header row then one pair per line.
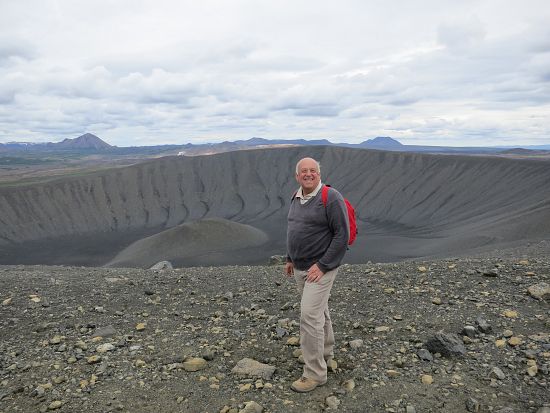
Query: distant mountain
x,y
524,152
263,141
9,146
89,143
382,142
86,141
517,151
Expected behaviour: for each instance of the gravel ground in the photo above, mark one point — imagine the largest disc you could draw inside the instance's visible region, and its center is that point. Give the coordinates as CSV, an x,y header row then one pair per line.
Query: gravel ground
x,y
101,340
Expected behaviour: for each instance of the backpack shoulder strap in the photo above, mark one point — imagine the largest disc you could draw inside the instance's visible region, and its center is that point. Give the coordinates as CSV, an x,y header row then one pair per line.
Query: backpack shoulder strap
x,y
324,194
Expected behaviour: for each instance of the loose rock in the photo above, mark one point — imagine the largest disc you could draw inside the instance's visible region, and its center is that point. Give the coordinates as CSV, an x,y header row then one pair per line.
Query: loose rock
x,y
252,368
446,345
540,291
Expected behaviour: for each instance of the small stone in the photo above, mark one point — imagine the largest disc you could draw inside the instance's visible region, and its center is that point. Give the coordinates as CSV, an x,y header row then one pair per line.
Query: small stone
x,y
532,371
425,355
162,265
515,341
523,262
410,409
56,339
540,291
38,392
483,325
194,364
140,363
103,348
436,301
34,298
293,341
332,365
56,404
392,373
281,332
427,379
510,314
497,373
251,407
93,359
140,326
382,329
399,362
355,344
277,260
245,387
7,301
349,385
507,333
492,272
332,402
472,405
81,345
59,379
422,269
469,331
500,343
105,332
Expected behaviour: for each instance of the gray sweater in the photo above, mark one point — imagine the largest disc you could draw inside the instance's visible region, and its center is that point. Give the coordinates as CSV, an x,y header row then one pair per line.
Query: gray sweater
x,y
318,234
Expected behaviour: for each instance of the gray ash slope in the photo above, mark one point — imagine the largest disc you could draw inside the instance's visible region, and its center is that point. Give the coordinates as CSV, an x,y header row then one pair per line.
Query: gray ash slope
x,y
408,205
151,321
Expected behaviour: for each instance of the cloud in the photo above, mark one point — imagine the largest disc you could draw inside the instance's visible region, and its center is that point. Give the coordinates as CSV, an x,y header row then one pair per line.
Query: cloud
x,y
178,71
461,35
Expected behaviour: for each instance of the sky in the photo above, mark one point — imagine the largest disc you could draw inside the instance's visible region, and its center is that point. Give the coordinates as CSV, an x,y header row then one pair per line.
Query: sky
x,y
139,72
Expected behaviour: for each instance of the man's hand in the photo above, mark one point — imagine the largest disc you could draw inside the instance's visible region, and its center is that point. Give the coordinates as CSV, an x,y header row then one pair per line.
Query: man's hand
x,y
289,269
314,274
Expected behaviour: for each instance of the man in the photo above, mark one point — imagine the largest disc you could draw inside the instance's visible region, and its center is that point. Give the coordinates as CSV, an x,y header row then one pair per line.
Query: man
x,y
317,240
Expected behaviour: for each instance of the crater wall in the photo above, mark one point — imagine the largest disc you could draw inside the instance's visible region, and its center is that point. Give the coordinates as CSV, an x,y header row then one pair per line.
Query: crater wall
x,y
458,199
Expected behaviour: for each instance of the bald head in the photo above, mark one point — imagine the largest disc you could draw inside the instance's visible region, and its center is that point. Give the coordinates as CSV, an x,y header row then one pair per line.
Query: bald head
x,y
308,174
308,162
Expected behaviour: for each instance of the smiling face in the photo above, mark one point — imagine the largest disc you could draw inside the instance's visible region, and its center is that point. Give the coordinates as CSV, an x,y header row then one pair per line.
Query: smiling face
x,y
308,175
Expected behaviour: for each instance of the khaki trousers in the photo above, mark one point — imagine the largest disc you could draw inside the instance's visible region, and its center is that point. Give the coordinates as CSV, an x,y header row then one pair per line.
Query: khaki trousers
x,y
316,335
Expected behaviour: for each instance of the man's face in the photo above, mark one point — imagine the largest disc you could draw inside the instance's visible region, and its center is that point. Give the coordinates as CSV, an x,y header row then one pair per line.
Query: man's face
x,y
308,175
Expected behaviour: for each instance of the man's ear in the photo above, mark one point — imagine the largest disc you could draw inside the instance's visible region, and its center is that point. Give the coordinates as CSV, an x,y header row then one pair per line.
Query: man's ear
x,y
297,178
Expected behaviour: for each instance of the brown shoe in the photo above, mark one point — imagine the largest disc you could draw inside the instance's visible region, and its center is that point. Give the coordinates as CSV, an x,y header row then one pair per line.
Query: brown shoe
x,y
303,384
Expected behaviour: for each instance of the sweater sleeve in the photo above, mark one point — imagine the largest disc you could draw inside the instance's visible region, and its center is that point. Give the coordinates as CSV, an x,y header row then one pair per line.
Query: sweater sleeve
x,y
338,222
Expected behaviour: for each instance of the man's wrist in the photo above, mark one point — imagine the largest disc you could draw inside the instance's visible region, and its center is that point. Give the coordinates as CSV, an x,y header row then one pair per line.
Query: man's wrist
x,y
322,267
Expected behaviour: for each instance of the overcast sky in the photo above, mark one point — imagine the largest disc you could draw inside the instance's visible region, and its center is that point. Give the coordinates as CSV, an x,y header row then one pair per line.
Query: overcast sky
x,y
441,72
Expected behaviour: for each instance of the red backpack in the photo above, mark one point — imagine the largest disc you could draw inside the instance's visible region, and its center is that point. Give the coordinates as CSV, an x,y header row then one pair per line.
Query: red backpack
x,y
351,214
